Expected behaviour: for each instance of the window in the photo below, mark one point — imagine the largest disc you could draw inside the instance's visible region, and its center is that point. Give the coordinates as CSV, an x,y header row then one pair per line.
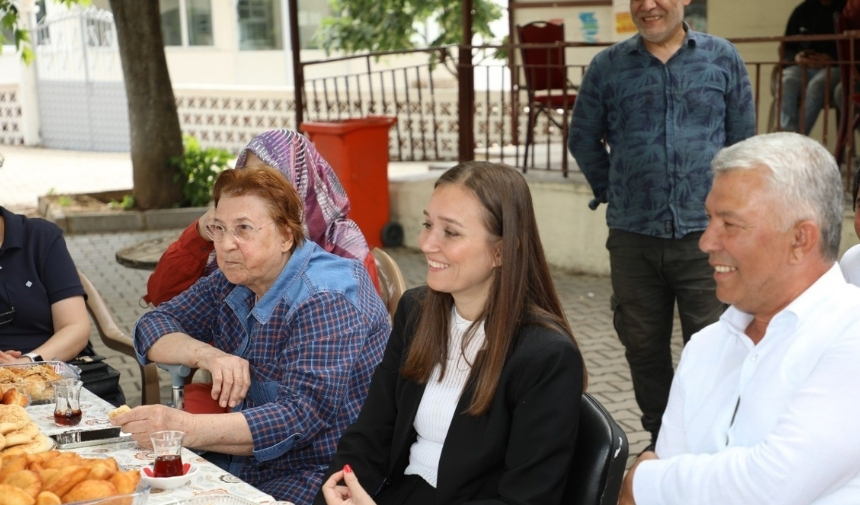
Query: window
x,y
311,14
259,24
9,37
186,22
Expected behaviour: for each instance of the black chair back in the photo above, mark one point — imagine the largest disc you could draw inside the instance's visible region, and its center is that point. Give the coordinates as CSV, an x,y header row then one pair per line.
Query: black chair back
x,y
599,459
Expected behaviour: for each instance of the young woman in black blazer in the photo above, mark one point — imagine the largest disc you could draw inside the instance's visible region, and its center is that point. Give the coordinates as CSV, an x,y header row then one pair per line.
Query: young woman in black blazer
x,y
477,396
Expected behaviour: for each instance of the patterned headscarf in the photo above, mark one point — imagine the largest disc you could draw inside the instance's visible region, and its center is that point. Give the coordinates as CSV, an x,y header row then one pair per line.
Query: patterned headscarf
x,y
325,201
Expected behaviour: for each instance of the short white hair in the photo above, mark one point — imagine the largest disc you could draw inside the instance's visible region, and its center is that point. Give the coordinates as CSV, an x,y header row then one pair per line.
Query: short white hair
x,y
803,180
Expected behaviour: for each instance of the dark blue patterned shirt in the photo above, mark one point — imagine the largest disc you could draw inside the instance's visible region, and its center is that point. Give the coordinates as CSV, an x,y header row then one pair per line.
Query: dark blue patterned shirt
x,y
312,341
663,124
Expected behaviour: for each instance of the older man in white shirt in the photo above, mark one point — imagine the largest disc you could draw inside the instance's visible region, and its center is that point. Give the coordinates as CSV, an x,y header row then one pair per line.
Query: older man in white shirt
x,y
765,404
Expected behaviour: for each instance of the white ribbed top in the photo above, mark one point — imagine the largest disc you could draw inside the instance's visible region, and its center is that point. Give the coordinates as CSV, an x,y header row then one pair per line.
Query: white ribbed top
x,y
440,399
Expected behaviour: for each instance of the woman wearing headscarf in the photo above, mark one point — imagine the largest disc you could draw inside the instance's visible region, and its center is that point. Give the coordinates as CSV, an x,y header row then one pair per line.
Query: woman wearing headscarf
x,y
326,207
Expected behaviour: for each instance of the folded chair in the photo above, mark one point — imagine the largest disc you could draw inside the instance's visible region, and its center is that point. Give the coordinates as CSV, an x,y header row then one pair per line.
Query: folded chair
x,y
115,339
549,90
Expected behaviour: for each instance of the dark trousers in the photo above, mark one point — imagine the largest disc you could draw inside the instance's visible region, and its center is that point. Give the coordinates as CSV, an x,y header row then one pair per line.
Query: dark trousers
x,y
410,490
649,275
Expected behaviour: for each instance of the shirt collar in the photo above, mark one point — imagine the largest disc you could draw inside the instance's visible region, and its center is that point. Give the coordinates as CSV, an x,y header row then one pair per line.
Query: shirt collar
x,y
283,285
691,39
13,237
799,309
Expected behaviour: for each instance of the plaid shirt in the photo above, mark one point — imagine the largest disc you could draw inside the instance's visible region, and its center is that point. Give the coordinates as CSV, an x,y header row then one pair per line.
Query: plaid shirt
x,y
312,341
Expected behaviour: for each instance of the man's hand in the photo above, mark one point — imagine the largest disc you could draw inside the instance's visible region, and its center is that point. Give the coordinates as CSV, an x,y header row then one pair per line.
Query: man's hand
x,y
350,494
145,420
231,376
813,59
626,497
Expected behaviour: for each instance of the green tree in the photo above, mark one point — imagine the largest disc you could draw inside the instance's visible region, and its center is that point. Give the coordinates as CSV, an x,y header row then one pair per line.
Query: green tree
x,y
156,136
20,37
390,25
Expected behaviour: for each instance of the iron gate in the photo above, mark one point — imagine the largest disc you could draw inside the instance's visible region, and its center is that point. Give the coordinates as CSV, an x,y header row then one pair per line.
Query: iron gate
x,y
82,100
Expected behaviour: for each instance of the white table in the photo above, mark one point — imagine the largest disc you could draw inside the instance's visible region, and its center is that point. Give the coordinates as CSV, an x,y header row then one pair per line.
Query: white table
x,y
209,478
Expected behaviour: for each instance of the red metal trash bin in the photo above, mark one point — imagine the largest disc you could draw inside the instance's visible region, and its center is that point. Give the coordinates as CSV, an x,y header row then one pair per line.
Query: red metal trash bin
x,y
357,150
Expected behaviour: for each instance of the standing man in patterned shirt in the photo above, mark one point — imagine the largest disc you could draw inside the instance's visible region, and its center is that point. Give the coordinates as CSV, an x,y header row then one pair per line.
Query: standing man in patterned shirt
x,y
664,101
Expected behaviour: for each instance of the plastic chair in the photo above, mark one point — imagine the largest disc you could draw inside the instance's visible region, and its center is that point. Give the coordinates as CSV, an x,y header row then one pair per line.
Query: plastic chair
x,y
599,459
115,339
548,88
390,279
180,375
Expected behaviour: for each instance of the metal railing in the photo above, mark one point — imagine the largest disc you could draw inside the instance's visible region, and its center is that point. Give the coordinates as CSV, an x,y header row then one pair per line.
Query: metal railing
x,y
421,88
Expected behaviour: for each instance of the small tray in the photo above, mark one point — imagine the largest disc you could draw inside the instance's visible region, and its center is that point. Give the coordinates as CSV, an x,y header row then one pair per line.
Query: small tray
x,y
39,391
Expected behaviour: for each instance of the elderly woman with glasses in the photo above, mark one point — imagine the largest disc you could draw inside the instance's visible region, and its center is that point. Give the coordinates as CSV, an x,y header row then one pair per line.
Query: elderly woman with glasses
x,y
290,333
326,211
43,314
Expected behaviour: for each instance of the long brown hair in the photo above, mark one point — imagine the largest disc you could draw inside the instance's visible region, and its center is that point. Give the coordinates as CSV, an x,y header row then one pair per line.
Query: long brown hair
x,y
522,291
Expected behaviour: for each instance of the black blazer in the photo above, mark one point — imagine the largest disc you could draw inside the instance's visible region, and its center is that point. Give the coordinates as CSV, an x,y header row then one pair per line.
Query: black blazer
x,y
519,452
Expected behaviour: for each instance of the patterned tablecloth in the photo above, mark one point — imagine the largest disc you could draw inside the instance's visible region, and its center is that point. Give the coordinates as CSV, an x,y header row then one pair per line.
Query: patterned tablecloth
x,y
209,480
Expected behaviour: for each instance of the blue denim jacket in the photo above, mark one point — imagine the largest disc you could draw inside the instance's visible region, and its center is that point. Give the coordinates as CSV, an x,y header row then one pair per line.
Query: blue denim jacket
x,y
312,341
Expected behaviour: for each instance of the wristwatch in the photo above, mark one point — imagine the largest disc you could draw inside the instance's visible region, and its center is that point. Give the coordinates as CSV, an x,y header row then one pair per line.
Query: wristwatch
x,y
33,356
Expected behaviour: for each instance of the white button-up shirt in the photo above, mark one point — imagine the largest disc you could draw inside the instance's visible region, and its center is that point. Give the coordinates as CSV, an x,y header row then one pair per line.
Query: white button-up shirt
x,y
777,422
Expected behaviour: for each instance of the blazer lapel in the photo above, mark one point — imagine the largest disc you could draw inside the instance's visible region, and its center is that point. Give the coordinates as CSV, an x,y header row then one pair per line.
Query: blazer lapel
x,y
404,431
455,451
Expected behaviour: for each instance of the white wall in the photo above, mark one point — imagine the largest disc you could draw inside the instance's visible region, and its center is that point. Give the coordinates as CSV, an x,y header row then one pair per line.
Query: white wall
x,y
573,236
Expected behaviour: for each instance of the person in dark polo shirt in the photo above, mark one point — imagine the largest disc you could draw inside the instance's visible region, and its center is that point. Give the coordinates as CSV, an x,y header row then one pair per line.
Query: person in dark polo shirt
x,y
43,314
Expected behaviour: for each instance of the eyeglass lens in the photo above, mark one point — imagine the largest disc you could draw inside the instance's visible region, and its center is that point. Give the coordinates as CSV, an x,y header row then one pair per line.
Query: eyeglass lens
x,y
242,232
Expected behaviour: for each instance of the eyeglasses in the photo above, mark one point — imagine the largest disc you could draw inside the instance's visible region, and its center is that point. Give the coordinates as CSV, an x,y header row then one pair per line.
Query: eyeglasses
x,y
8,316
241,232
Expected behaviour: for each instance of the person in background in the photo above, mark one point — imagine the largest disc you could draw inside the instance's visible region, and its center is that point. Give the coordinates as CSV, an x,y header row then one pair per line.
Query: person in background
x,y
765,407
850,262
664,101
477,397
811,61
295,334
325,215
43,312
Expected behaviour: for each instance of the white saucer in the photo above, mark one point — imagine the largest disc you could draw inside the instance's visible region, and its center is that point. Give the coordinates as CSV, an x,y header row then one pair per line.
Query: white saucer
x,y
169,482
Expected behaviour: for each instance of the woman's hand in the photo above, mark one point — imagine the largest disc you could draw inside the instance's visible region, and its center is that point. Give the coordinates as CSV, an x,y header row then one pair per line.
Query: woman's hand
x,y
145,420
11,357
351,494
231,376
204,221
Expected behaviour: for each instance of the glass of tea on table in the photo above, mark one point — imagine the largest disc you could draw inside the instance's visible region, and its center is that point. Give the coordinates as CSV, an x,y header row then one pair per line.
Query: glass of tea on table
x,y
67,402
167,446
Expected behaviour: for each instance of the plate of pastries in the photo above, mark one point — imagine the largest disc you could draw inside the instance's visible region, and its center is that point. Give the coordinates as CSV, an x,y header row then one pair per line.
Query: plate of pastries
x,y
18,433
55,478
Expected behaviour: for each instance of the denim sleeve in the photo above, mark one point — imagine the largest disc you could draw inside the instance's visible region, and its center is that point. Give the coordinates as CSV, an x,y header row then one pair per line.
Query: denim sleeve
x,y
587,130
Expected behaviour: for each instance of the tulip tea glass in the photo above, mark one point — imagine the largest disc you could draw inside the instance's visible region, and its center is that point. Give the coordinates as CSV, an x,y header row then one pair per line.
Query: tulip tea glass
x,y
67,402
167,446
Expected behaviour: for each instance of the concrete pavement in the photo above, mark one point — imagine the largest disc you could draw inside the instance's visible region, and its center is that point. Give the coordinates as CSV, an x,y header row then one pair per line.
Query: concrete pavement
x,y
28,173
